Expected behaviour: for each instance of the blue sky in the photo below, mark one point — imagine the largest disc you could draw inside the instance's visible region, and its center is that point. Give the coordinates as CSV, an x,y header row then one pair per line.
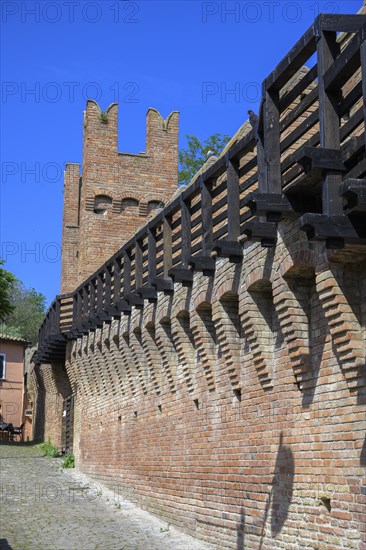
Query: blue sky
x,y
204,59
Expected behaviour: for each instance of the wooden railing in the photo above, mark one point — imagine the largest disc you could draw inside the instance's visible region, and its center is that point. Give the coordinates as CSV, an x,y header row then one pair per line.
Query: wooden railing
x,y
306,158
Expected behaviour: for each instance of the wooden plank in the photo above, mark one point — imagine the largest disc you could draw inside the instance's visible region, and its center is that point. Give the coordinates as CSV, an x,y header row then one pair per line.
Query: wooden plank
x,y
167,245
116,279
299,110
107,287
186,233
349,101
100,303
341,23
300,130
293,61
126,272
206,208
299,88
363,74
138,264
272,151
355,120
92,293
86,310
344,66
262,176
151,239
233,198
328,48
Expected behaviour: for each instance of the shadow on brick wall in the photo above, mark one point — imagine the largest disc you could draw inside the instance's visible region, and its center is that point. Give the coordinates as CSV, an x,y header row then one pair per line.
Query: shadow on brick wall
x,y
279,499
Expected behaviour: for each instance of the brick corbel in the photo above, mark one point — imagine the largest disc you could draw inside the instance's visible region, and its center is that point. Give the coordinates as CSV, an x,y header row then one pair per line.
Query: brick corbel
x,y
344,327
258,335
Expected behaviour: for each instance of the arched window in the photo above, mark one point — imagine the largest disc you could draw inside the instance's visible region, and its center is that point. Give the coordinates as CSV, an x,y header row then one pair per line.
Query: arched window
x,y
102,203
154,205
130,205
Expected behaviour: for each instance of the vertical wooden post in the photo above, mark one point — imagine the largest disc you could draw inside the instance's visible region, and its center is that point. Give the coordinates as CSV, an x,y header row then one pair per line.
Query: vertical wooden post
x,y
151,251
186,232
107,287
92,297
85,304
58,316
79,307
233,198
262,176
126,273
167,245
99,292
116,280
272,146
206,209
138,264
363,76
74,309
328,49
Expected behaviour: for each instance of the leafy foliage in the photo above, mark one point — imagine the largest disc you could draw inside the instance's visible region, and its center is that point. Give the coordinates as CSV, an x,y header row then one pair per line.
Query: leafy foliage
x,y
7,281
194,156
49,449
27,313
69,461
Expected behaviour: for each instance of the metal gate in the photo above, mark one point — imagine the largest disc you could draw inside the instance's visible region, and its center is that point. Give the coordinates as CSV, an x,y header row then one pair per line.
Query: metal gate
x,y
67,436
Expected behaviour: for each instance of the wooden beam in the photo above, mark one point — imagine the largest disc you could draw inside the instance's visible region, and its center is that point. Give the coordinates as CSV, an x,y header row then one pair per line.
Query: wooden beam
x,y
206,212
344,66
328,49
299,88
186,233
167,245
272,151
107,287
126,272
86,310
341,23
151,244
100,303
300,130
233,198
116,279
138,264
363,76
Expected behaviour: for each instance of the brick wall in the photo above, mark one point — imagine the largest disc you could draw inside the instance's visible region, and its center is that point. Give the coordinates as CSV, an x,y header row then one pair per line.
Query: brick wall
x,y
116,191
245,434
49,385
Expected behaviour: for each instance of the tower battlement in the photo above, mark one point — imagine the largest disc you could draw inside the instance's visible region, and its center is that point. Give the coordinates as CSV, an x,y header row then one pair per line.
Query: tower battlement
x,y
108,201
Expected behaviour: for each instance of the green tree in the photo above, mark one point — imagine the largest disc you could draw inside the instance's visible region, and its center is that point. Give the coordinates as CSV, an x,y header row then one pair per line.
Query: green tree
x,y
7,282
194,156
28,311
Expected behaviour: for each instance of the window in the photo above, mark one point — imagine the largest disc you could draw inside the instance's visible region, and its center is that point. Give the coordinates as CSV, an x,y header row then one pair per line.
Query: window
x,y
102,203
2,365
154,205
130,205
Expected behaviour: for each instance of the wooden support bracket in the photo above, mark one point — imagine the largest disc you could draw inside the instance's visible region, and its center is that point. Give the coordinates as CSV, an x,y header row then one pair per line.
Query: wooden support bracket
x,y
148,293
271,205
181,275
354,192
228,249
265,232
335,230
165,284
205,264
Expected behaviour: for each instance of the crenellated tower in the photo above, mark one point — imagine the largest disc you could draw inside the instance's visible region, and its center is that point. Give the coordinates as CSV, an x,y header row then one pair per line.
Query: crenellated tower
x,y
116,191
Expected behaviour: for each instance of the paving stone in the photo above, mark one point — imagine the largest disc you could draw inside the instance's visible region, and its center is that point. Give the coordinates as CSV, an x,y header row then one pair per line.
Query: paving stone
x,y
45,507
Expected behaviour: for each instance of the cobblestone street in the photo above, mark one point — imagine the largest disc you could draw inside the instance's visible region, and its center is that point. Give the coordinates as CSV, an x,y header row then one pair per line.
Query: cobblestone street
x,y
48,508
